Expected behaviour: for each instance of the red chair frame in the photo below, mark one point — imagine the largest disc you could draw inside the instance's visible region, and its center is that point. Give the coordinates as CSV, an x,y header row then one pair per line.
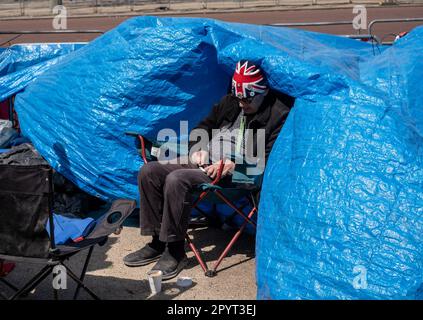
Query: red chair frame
x,y
217,191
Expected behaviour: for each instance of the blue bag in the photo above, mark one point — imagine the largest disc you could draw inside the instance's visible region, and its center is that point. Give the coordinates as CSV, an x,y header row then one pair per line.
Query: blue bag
x,y
67,229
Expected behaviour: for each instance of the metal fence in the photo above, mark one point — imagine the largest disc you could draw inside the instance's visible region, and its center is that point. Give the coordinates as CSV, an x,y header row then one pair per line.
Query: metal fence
x,y
371,37
44,7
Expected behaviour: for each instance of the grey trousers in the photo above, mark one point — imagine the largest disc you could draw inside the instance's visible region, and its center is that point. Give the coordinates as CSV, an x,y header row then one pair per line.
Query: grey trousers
x,y
165,198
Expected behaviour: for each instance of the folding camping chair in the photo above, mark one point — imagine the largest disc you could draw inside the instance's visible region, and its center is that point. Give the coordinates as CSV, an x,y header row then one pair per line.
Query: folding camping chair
x,y
216,194
26,195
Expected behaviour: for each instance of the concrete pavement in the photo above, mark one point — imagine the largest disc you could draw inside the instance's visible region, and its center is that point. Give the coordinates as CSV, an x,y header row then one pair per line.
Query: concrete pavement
x,y
110,279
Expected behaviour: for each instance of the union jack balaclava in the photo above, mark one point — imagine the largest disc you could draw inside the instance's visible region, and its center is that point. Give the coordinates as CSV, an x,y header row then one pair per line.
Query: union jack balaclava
x,y
248,80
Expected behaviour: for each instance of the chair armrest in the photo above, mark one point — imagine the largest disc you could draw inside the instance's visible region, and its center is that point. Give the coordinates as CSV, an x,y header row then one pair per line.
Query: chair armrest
x,y
148,149
144,146
132,133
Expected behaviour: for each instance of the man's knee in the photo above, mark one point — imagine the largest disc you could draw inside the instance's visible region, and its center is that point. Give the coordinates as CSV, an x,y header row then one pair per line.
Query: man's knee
x,y
175,179
150,169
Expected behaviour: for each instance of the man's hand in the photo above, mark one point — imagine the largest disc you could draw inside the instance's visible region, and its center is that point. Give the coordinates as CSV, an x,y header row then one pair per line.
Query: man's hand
x,y
200,157
213,169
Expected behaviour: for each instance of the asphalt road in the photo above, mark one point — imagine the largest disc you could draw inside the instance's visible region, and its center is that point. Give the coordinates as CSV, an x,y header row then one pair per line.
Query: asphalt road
x,y
263,17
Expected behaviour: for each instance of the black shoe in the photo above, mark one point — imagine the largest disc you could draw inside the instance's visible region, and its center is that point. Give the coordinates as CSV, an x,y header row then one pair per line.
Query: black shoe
x,y
142,257
169,266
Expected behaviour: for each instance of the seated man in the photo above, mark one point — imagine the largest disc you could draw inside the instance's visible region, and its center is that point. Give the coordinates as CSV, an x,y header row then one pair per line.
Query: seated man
x,y
165,189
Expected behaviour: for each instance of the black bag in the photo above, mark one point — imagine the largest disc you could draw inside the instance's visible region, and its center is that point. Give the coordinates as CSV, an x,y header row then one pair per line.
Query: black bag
x,y
24,210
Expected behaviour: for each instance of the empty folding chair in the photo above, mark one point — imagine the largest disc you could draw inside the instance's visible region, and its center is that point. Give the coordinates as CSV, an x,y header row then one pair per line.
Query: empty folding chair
x,y
26,197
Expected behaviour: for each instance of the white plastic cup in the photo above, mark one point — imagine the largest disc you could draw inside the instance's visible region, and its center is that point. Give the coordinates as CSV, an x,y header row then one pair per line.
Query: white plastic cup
x,y
155,281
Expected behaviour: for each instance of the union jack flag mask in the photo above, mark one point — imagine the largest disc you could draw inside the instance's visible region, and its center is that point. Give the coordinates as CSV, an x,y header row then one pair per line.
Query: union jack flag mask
x,y
247,81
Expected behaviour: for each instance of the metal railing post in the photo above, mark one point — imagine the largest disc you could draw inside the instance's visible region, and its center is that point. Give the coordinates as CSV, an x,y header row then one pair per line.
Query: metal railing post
x,y
22,7
54,3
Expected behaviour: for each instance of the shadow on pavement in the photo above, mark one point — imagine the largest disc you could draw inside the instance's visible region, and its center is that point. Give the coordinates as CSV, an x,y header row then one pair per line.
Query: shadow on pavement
x,y
112,280
212,241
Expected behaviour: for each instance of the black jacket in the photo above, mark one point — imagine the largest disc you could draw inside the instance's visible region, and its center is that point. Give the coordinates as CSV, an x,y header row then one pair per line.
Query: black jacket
x,y
271,116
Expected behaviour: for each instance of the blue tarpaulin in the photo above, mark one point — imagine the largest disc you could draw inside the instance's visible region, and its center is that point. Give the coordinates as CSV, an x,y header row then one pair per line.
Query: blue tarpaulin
x,y
340,214
20,64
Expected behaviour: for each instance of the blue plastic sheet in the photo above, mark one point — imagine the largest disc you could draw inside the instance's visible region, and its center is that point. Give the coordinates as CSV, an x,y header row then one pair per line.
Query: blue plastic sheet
x,y
20,64
347,175
342,195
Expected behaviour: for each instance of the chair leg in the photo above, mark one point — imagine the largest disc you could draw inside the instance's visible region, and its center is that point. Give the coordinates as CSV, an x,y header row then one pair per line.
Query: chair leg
x,y
230,204
81,284
232,242
34,282
200,197
247,219
3,296
197,255
84,270
234,214
37,279
7,283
